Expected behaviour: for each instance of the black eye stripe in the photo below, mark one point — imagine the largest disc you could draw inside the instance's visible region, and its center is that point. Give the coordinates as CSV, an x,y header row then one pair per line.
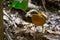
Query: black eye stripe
x,y
34,12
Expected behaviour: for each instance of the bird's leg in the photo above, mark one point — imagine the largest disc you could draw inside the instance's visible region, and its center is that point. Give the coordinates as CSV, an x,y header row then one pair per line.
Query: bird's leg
x,y
43,30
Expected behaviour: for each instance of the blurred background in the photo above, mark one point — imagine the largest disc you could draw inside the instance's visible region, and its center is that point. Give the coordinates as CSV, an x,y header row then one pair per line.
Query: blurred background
x,y
31,19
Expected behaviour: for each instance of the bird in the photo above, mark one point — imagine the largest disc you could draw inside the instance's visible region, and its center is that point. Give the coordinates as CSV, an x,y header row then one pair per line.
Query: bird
x,y
36,17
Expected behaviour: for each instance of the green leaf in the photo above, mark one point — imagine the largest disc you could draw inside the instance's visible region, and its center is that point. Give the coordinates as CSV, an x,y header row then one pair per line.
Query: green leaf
x,y
20,5
24,4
